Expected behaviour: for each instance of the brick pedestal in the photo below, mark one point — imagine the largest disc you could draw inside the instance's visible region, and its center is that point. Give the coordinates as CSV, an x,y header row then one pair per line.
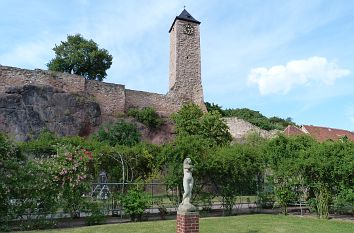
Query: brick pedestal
x,y
187,222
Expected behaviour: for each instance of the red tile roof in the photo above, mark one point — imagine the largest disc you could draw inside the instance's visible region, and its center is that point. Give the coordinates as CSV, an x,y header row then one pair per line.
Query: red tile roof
x,y
323,133
319,133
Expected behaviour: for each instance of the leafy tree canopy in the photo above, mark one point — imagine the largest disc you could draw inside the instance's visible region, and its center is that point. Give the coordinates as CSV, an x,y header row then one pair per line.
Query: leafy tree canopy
x,y
82,57
214,107
190,120
120,133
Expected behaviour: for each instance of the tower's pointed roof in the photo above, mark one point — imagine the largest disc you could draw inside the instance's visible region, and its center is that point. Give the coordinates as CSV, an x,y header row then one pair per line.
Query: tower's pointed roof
x,y
186,17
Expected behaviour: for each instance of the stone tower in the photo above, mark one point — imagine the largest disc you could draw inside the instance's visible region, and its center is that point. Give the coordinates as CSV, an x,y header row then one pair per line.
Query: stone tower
x,y
185,67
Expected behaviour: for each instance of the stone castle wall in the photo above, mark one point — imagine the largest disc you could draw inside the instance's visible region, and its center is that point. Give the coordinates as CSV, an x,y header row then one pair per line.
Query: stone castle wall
x,y
161,103
112,98
11,77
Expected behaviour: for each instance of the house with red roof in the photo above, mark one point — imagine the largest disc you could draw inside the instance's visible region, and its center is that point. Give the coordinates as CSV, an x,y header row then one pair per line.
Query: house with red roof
x,y
319,133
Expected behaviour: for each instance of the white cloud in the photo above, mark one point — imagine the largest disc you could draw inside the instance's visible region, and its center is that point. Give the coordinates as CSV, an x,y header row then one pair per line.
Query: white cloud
x,y
31,55
281,79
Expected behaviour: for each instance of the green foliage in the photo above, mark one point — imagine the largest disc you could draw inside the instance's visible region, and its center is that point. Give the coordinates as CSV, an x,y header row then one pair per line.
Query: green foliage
x,y
214,128
142,159
172,157
284,193
323,169
135,202
187,120
43,146
233,170
328,169
161,208
284,152
214,107
11,163
73,176
266,199
120,133
281,123
80,56
97,215
190,120
148,116
257,119
284,155
344,201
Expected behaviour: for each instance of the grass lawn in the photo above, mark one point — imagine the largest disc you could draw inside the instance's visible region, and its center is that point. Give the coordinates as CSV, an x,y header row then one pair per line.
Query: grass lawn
x,y
259,223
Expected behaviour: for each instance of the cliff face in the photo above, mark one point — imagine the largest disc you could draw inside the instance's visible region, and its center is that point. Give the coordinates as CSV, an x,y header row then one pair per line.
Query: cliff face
x,y
27,110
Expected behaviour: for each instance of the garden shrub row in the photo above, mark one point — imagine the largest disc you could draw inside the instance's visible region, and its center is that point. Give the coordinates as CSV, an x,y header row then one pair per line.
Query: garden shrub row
x,y
52,173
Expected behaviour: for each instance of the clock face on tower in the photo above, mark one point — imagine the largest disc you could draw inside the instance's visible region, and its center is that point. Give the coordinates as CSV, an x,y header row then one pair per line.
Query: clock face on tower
x,y
188,29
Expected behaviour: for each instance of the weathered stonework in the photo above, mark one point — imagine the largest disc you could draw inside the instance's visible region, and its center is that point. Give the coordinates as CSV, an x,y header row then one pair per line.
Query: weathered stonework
x,y
185,62
111,97
239,128
11,76
164,105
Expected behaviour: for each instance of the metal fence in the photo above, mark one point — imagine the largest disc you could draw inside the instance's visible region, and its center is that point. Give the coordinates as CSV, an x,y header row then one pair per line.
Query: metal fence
x,y
162,198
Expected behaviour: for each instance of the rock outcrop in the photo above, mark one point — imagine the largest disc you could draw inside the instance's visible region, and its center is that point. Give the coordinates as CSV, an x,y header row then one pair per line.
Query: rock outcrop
x,y
239,129
27,110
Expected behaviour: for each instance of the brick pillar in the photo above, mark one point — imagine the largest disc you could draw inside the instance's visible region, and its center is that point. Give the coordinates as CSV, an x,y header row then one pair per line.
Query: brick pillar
x,y
187,222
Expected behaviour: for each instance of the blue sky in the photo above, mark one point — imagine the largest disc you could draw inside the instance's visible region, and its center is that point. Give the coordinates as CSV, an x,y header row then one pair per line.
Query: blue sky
x,y
282,58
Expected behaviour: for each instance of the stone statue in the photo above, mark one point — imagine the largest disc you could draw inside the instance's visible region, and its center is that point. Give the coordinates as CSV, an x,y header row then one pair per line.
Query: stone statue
x,y
188,181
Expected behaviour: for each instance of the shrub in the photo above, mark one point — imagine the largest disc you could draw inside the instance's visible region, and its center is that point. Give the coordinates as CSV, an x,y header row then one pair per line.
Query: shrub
x,y
265,200
134,203
344,201
74,164
162,208
43,146
148,116
11,163
97,215
120,133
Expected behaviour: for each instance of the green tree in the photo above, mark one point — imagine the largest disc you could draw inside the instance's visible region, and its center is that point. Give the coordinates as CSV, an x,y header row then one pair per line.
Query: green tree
x,y
234,170
190,120
214,128
171,162
328,170
284,159
187,120
214,107
82,57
